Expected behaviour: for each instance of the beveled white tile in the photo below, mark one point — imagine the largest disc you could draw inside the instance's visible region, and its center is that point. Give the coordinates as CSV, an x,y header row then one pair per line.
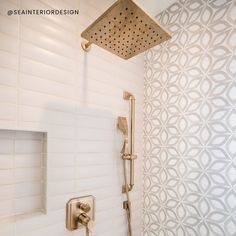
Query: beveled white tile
x,y
9,43
34,188
6,208
7,192
61,90
8,94
6,146
6,177
6,161
29,160
47,86
28,174
47,57
25,205
28,146
8,60
8,77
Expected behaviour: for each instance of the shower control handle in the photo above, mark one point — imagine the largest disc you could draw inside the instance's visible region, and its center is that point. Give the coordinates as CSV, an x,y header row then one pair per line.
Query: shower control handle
x,y
84,207
80,213
83,219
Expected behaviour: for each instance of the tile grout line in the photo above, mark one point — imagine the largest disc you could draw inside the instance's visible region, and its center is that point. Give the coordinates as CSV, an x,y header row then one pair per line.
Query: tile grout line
x,y
18,66
14,176
17,102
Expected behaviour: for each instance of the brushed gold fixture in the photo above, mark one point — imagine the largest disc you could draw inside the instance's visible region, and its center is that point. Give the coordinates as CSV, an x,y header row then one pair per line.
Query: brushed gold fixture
x,y
86,46
84,207
127,203
122,124
125,30
80,212
127,153
130,97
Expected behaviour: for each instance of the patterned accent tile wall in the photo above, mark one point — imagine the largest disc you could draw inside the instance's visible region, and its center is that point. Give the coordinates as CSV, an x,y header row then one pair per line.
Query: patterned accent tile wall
x,y
190,123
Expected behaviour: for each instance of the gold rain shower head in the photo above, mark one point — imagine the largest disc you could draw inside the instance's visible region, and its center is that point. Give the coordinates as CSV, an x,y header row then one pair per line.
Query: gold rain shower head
x,y
124,30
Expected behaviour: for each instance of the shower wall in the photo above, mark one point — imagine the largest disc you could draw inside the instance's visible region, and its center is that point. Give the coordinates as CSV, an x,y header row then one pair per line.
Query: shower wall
x,y
48,84
190,123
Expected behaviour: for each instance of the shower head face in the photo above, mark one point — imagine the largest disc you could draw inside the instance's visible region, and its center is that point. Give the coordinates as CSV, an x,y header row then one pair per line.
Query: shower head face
x,y
125,30
122,125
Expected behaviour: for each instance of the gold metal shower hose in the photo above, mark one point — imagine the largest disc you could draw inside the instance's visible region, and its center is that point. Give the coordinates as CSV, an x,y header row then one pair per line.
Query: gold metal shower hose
x,y
87,231
128,210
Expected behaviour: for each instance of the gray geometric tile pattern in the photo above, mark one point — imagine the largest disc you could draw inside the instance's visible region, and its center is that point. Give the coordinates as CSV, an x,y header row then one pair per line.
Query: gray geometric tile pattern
x,y
190,123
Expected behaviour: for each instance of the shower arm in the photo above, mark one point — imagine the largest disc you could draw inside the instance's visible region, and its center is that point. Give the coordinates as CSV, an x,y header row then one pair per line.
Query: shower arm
x,y
86,46
132,157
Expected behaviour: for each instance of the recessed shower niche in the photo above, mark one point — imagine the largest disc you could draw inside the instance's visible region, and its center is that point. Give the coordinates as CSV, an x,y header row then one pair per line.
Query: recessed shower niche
x,y
22,172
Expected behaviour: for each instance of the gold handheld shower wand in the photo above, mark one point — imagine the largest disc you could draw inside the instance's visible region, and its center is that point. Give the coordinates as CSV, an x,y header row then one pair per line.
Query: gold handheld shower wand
x,y
122,124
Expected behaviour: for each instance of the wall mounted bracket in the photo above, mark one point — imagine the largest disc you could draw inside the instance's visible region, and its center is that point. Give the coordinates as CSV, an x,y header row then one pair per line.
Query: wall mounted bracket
x,y
86,46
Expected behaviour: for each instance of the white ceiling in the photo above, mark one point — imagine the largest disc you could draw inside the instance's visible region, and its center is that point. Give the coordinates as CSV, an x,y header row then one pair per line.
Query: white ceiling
x,y
153,7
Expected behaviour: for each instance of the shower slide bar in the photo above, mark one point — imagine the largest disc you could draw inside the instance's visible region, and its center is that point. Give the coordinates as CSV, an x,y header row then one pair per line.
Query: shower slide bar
x,y
130,97
127,154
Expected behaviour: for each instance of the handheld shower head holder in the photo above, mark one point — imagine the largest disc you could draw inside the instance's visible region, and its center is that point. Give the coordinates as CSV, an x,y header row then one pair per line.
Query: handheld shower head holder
x,y
125,149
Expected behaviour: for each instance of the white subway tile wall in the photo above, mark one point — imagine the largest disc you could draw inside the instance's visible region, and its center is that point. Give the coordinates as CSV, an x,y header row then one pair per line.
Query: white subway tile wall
x,y
22,173
47,83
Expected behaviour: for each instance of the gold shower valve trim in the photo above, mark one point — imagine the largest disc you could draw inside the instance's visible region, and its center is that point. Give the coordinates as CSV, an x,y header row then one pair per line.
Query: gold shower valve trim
x,y
124,30
80,212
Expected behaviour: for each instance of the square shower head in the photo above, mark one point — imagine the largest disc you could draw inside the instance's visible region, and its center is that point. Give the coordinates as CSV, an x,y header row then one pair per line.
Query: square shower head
x,y
125,30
